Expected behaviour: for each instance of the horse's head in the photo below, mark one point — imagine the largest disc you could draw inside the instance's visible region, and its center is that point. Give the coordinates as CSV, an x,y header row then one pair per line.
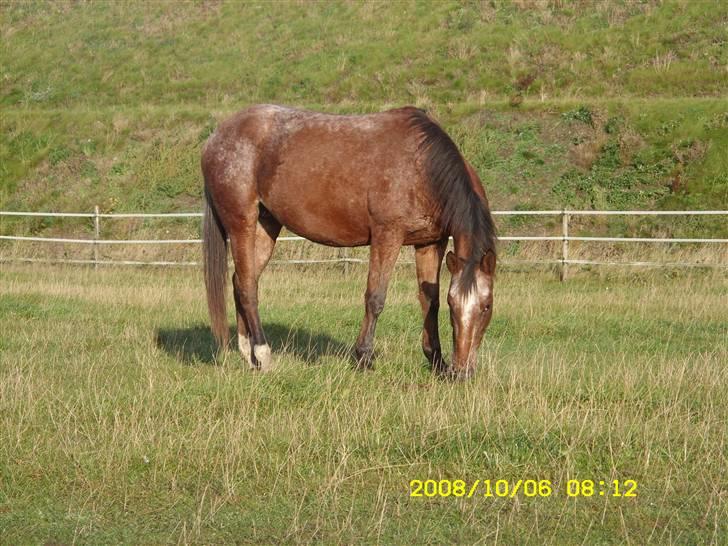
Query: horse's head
x,y
470,298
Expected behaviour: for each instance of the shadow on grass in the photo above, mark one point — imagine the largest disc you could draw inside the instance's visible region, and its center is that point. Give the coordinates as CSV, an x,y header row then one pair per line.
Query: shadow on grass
x,y
196,344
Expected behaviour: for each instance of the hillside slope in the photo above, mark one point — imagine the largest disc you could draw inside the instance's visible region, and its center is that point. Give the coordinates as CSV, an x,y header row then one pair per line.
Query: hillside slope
x,y
219,54
584,104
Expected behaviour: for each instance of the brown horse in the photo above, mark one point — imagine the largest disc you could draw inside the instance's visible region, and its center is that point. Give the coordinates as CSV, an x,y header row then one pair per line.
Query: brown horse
x,y
385,180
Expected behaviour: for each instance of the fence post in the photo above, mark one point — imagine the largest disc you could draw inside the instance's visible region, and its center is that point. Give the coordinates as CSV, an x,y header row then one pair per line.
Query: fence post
x,y
564,245
344,257
97,235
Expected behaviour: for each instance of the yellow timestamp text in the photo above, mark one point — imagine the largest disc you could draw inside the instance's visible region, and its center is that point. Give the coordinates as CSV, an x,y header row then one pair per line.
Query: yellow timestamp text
x,y
430,488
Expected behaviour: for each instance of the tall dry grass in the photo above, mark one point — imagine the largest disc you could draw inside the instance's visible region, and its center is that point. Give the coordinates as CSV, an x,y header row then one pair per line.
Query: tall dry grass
x,y
120,422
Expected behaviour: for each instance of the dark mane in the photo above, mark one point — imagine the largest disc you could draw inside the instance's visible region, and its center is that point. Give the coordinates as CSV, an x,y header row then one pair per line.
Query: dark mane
x,y
463,212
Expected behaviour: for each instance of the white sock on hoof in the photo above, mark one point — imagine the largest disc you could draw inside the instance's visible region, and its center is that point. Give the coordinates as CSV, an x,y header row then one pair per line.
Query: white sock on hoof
x,y
263,356
244,346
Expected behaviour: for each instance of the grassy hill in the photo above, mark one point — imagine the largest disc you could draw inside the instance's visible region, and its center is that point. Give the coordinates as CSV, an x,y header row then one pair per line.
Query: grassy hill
x,y
578,104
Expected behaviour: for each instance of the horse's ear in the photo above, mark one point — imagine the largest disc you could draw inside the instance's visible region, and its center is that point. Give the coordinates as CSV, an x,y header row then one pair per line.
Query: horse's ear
x,y
487,264
453,264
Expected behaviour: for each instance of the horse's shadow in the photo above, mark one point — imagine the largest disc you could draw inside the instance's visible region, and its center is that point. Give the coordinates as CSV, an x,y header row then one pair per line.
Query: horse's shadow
x,y
196,344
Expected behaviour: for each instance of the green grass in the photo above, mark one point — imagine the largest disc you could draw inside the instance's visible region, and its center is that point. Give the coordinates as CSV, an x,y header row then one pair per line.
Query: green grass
x,y
649,154
69,55
108,103
119,422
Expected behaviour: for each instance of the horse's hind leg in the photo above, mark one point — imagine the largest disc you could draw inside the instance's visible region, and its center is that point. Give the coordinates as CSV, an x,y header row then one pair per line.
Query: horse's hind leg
x,y
251,338
243,336
428,260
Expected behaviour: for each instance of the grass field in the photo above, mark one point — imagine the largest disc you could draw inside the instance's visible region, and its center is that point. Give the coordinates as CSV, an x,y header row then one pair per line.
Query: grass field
x,y
119,422
579,104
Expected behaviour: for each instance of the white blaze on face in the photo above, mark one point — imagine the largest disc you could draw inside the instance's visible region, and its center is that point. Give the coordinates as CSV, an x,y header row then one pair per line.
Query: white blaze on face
x,y
471,302
470,306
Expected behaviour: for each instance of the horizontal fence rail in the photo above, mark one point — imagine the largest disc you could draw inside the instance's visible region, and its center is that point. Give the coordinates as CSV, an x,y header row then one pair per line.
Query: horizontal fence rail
x,y
101,241
493,212
503,238
565,238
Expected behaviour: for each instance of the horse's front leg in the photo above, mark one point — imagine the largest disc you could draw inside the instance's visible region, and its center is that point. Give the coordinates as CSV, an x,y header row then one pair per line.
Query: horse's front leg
x,y
428,260
382,257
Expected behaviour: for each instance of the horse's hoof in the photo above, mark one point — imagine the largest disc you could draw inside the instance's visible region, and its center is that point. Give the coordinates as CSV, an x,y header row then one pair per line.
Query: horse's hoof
x,y
455,375
364,359
246,350
364,364
439,366
263,357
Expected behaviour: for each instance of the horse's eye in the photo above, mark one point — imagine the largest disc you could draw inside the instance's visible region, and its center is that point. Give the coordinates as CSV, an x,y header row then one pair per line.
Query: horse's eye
x,y
486,308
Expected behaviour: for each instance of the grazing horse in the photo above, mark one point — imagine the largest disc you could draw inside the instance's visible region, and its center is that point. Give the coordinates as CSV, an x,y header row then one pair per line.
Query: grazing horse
x,y
385,180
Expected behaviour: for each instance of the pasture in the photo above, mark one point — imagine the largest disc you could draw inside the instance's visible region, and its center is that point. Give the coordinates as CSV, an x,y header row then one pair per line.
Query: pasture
x,y
120,422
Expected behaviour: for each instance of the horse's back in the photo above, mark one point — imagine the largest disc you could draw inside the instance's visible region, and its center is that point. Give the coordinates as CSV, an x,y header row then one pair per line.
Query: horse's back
x,y
336,176
329,178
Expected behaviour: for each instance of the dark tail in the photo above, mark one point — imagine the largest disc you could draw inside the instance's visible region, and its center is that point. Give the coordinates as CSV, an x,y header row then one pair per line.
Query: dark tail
x,y
214,244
